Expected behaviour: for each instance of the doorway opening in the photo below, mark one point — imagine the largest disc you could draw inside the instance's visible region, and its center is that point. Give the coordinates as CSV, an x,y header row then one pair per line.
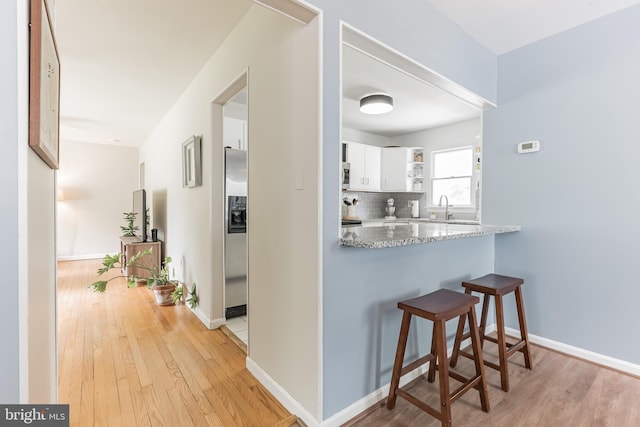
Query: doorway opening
x,y
235,141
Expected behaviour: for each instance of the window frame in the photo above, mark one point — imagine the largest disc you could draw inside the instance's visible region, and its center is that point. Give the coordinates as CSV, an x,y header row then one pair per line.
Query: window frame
x,y
470,176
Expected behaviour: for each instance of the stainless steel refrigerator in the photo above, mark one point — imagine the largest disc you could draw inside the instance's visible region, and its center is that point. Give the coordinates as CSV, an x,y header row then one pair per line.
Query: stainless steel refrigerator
x,y
235,236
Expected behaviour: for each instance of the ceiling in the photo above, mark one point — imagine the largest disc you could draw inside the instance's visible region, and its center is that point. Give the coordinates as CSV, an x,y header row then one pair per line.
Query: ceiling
x,y
416,105
124,63
504,25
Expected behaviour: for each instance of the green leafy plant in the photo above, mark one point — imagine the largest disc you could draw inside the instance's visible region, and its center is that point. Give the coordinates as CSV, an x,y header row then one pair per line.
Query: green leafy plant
x,y
129,230
157,276
193,300
178,294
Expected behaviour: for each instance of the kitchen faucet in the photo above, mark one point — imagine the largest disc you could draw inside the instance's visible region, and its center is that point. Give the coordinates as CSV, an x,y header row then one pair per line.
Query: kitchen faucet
x,y
446,209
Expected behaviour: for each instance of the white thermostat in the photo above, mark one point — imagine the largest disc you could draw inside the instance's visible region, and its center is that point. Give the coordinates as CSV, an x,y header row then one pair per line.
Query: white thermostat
x,y
528,147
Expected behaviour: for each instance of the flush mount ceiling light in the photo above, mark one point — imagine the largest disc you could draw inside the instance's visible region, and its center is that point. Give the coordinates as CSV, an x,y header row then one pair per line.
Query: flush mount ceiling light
x,y
376,104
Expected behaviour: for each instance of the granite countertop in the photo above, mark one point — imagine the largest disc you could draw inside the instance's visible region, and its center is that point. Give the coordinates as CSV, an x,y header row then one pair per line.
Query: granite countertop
x,y
376,234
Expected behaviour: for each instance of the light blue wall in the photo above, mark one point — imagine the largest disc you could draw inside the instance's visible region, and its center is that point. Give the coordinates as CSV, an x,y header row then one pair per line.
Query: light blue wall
x,y
577,199
9,357
359,339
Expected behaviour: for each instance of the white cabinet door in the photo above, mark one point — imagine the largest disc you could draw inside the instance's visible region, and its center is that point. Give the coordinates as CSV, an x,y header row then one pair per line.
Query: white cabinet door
x,y
235,133
365,166
372,167
394,169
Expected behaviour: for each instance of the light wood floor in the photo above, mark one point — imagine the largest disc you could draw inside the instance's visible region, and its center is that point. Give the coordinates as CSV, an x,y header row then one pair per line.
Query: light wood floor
x,y
124,361
560,391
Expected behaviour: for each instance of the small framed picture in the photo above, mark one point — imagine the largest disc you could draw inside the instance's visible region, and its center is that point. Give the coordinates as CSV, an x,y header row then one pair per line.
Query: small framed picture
x,y
191,162
44,86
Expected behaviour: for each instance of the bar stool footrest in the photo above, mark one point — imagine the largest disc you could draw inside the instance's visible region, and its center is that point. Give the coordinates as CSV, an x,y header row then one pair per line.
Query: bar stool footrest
x,y
465,354
416,364
466,386
513,348
492,365
419,403
490,338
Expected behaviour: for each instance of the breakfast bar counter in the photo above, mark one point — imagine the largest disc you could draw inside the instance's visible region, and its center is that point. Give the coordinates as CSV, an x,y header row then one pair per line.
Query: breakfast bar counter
x,y
387,234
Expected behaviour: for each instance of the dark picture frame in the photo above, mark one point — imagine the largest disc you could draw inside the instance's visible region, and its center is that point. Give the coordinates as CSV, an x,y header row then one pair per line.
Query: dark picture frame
x,y
44,86
192,162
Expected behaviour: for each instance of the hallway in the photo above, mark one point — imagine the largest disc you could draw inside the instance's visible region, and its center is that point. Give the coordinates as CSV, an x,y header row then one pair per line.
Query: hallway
x,y
123,360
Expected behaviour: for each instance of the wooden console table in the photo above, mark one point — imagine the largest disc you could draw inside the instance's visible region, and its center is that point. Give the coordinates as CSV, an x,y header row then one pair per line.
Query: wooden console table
x,y
129,246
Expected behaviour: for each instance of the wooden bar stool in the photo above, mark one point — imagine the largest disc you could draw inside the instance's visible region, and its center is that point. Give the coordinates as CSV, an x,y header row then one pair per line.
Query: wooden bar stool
x,y
439,306
497,286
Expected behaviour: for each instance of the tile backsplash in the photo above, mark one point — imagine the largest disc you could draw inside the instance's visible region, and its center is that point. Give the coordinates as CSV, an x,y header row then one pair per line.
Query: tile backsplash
x,y
371,205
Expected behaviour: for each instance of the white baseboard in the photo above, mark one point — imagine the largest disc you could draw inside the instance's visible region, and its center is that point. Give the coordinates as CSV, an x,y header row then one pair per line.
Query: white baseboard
x,y
216,323
599,359
291,404
80,257
209,323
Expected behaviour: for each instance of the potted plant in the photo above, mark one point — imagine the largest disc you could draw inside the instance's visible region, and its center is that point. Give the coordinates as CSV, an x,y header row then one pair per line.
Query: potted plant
x,y
161,284
158,279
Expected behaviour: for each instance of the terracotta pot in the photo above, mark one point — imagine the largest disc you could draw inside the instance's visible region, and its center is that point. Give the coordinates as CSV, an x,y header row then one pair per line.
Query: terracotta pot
x,y
163,294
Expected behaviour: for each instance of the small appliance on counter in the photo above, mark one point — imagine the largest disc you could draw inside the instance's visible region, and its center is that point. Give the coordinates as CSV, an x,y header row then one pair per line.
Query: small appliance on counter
x,y
390,209
415,208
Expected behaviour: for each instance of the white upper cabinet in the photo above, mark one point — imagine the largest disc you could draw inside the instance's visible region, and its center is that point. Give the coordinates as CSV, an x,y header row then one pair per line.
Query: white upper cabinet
x,y
402,169
388,169
394,169
235,133
365,166
373,157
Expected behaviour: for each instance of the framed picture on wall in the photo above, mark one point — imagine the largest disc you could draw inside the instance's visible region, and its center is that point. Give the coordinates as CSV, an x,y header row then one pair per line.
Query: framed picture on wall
x,y
44,86
191,162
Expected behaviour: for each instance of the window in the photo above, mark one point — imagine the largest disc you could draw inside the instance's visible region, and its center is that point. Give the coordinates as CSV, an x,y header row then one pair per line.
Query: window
x,y
451,172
